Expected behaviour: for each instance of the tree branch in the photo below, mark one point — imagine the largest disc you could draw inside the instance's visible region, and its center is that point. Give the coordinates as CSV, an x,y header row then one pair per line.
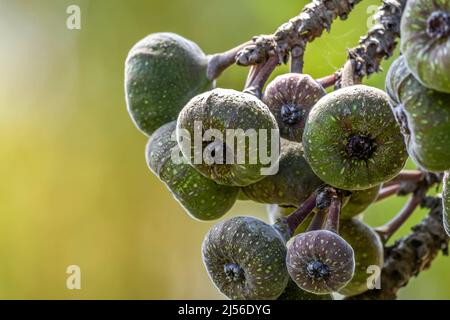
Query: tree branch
x,y
316,17
411,254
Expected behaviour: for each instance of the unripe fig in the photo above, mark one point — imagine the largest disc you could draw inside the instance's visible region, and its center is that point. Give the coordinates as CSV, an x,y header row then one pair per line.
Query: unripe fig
x,y
203,199
425,42
359,201
424,116
293,292
245,259
352,140
320,262
291,185
162,73
290,97
446,202
222,117
368,250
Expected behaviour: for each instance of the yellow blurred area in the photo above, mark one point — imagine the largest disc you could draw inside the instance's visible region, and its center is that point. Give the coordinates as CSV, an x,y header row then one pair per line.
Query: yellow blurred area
x,y
74,186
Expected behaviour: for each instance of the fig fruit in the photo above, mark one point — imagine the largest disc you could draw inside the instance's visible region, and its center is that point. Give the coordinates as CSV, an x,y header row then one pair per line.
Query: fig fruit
x,y
232,127
320,262
359,201
290,97
446,202
424,116
162,73
203,199
368,250
425,42
291,185
245,259
352,140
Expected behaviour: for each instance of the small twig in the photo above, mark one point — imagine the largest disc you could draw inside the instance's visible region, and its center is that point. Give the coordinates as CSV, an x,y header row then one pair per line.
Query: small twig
x,y
297,55
258,77
298,216
218,62
318,220
334,215
392,226
405,176
328,81
388,191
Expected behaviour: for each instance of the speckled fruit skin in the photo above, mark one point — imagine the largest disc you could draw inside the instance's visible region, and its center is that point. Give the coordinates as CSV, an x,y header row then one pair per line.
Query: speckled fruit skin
x,y
332,125
424,116
162,73
255,250
223,109
368,250
359,201
203,199
293,292
327,249
290,97
293,183
427,54
446,202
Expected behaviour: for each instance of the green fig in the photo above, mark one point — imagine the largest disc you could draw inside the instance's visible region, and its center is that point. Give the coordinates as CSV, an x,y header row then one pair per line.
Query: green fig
x,y
424,116
203,199
446,202
290,97
222,132
425,42
162,73
320,261
291,185
352,140
293,292
245,259
359,201
368,250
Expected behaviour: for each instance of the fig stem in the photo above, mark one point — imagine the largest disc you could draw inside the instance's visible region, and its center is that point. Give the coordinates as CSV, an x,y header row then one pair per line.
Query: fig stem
x,y
219,62
318,220
348,75
388,191
406,175
392,226
328,81
334,215
298,216
297,62
259,75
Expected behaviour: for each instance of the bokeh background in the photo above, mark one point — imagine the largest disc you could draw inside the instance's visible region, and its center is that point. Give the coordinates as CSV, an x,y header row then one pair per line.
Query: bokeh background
x,y
74,186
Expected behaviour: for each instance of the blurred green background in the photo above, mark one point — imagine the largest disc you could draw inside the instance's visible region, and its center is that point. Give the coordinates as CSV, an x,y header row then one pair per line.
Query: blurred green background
x,y
74,186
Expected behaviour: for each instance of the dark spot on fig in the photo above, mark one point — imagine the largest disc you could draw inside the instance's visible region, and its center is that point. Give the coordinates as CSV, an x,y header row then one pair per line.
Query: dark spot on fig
x,y
438,24
291,114
360,147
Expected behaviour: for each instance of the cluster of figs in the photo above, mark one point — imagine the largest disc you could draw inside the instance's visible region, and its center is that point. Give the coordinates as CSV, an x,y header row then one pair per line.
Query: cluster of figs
x,y
336,152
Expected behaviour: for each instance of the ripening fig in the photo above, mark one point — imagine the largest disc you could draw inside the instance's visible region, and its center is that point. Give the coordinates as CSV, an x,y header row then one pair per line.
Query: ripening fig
x,y
245,259
291,185
293,292
359,201
352,140
202,198
162,73
368,250
290,97
320,262
232,127
424,116
425,42
446,202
